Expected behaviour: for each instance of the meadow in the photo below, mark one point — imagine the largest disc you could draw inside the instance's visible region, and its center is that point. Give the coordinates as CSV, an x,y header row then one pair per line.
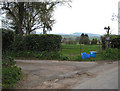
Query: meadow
x,y
73,51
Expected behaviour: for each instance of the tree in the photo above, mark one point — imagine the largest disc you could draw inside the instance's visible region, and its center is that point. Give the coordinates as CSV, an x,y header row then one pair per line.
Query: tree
x,y
14,12
94,41
38,15
45,17
84,39
32,19
86,35
26,17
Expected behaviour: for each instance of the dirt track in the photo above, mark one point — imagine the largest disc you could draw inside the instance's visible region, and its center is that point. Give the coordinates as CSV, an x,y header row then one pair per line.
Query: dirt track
x,y
59,74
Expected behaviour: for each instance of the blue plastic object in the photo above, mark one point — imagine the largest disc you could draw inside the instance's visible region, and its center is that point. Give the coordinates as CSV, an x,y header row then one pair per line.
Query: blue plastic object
x,y
84,55
92,54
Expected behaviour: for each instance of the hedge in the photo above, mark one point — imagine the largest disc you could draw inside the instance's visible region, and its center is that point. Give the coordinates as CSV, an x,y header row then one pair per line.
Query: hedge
x,y
35,42
114,41
10,72
110,54
103,40
7,39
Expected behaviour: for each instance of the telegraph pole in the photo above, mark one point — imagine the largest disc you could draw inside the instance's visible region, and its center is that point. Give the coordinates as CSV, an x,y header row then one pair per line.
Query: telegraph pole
x,y
108,35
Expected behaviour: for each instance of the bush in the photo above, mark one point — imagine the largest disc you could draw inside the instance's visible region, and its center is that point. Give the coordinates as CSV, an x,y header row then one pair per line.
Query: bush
x,y
18,43
10,73
110,54
115,43
8,61
51,56
94,41
32,42
24,54
63,57
38,55
35,42
103,40
48,55
78,58
10,76
7,39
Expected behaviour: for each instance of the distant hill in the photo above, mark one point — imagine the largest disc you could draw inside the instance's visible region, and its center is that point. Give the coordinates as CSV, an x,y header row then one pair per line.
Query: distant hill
x,y
77,34
74,34
89,34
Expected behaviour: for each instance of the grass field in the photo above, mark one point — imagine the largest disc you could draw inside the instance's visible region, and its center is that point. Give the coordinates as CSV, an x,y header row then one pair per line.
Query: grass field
x,y
74,50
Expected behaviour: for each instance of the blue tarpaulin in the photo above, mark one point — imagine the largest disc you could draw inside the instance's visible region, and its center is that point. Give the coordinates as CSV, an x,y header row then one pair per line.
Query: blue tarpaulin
x,y
92,53
85,55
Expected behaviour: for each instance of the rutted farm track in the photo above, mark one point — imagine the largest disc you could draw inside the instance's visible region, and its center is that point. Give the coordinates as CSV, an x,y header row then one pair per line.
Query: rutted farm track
x,y
59,74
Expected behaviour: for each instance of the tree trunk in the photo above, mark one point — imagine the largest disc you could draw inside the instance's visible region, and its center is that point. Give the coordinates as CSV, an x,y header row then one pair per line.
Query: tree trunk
x,y
20,30
20,17
27,32
44,31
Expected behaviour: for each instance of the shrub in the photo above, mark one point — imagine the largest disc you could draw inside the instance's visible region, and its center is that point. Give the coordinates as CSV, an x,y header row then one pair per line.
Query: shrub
x,y
115,43
78,58
18,43
103,40
24,54
10,73
8,61
7,39
35,42
51,56
111,54
63,57
94,41
48,55
31,42
10,76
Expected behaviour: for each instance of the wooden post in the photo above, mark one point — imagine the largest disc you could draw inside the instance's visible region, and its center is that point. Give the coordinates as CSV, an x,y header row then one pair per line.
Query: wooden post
x,y
99,46
108,30
80,47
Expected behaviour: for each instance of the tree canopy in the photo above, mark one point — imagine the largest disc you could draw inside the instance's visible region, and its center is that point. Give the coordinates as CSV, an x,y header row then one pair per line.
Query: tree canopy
x,y
25,17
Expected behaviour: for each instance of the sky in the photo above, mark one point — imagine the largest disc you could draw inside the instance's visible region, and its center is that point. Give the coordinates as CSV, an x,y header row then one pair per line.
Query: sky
x,y
86,16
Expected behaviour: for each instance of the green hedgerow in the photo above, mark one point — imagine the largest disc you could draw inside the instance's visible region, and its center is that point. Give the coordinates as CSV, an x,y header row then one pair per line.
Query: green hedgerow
x,y
110,54
8,61
78,58
10,76
10,72
63,57
48,55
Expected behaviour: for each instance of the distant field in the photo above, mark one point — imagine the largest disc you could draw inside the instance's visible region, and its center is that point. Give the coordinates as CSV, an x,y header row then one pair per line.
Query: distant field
x,y
74,50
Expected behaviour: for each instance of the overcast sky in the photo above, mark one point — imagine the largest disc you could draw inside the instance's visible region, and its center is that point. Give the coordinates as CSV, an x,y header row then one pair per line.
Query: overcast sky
x,y
89,16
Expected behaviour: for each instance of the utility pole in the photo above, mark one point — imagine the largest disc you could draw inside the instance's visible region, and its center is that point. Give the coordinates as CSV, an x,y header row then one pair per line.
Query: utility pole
x,y
108,35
